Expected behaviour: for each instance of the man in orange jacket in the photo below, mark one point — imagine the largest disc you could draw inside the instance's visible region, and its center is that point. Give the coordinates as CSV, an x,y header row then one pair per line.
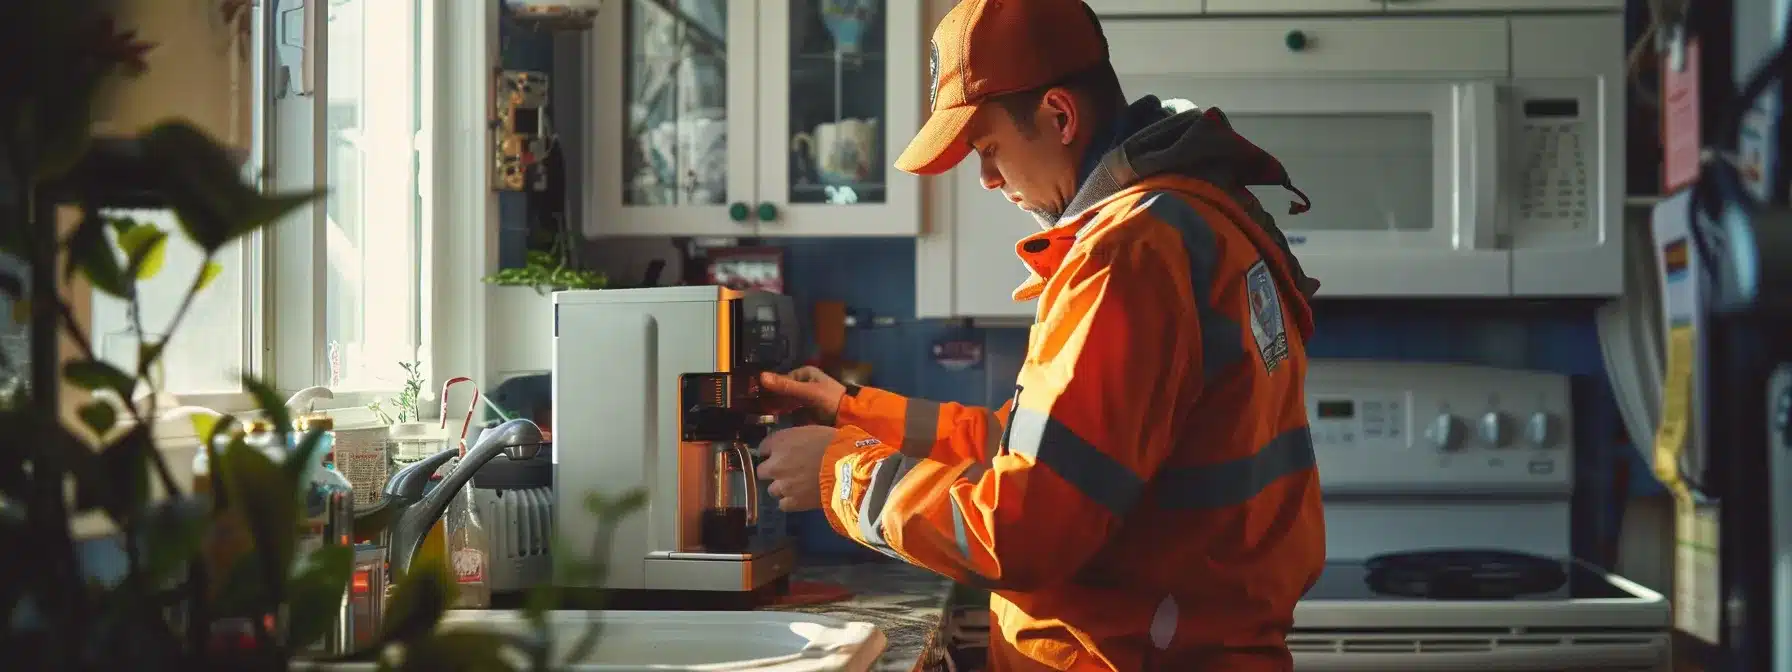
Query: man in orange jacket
x,y
1148,499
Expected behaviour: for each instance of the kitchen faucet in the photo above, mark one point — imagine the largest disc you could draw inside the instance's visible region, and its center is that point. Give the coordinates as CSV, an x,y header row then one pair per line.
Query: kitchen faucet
x,y
416,512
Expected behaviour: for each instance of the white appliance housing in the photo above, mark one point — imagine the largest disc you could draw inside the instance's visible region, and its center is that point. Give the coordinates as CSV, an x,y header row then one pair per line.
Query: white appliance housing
x,y
1416,456
618,358
1446,156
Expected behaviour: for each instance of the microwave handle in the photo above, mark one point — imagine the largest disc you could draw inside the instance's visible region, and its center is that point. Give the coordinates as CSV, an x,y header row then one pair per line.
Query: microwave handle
x,y
1481,137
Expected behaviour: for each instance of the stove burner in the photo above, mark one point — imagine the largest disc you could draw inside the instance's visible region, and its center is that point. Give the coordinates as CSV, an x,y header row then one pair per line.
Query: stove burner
x,y
1466,574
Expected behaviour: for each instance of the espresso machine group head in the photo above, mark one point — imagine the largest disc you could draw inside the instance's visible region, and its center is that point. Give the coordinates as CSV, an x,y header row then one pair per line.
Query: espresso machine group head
x,y
658,388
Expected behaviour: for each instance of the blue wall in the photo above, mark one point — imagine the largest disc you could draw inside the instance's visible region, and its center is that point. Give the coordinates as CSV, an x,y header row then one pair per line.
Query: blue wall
x,y
876,277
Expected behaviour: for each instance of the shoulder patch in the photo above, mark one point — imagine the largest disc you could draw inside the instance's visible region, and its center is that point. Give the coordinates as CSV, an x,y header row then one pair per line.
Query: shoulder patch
x,y
865,443
1267,326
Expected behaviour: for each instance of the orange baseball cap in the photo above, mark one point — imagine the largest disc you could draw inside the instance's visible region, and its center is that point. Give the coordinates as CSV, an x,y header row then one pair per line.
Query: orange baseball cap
x,y
986,48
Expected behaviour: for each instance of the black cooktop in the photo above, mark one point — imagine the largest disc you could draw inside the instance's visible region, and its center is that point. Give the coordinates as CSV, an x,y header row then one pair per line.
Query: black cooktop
x,y
1462,575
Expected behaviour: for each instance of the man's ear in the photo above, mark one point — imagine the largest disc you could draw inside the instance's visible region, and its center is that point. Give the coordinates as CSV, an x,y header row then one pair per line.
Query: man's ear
x,y
1059,106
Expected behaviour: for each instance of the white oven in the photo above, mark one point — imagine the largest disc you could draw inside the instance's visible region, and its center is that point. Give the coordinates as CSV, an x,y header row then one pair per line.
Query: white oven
x,y
1457,156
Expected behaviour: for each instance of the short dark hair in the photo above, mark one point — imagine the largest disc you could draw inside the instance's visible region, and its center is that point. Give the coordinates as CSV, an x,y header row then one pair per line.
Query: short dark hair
x,y
1099,84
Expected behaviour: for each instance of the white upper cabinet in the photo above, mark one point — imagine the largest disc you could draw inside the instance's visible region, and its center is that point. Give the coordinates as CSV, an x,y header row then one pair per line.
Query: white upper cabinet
x,y
1294,6
770,118
1127,8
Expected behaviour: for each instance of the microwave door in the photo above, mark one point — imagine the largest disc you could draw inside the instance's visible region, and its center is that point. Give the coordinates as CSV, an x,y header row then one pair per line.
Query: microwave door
x,y
1402,174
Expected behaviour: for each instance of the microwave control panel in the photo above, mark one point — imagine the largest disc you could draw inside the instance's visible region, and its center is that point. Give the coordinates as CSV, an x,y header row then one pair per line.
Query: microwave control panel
x,y
1556,168
1402,427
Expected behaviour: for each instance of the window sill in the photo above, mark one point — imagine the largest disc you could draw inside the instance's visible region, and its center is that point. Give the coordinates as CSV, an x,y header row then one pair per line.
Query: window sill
x,y
178,444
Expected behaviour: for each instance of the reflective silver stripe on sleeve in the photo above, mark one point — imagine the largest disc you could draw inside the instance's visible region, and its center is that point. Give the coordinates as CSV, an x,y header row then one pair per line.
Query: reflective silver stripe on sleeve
x,y
884,477
1046,441
920,427
1222,338
1216,486
973,472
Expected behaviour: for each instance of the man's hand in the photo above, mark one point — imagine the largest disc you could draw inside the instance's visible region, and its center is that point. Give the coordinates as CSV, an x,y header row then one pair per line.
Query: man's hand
x,y
793,465
806,387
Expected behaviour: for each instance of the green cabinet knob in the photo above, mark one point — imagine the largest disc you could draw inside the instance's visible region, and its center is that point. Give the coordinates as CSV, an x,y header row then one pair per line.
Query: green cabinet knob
x,y
738,212
767,211
1296,40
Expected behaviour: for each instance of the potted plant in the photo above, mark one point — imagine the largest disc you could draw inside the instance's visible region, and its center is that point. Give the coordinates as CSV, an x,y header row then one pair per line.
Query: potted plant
x,y
57,180
520,310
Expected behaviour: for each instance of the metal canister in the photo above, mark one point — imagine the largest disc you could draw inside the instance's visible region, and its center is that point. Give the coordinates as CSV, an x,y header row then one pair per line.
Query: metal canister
x,y
367,594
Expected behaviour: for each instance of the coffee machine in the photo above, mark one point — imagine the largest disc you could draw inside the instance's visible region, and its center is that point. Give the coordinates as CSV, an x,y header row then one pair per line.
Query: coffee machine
x,y
658,388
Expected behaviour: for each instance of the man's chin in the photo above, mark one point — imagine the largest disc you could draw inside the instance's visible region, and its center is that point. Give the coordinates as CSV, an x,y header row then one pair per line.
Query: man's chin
x,y
1046,219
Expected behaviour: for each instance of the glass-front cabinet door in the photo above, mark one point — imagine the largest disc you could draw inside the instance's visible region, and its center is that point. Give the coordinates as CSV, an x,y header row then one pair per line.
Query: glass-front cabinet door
x,y
671,102
841,93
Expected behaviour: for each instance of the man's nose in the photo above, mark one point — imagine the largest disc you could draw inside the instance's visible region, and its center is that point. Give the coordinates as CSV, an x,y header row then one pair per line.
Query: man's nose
x,y
988,175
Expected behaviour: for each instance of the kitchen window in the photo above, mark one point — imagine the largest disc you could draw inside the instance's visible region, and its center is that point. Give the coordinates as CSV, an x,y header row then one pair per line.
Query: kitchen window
x,y
348,273
335,295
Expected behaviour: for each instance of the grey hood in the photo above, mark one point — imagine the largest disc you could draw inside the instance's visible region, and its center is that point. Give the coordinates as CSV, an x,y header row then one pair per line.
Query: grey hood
x,y
1175,138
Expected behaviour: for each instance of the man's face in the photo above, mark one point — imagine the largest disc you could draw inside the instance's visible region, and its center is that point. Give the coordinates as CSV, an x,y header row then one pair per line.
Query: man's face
x,y
1035,168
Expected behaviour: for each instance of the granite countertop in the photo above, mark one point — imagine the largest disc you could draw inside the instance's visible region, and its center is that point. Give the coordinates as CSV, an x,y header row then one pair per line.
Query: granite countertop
x,y
907,603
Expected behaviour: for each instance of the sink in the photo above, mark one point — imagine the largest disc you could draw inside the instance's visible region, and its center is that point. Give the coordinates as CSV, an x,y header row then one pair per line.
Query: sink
x,y
705,641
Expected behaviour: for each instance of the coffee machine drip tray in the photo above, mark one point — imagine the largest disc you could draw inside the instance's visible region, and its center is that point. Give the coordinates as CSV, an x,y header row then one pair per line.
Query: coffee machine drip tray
x,y
761,564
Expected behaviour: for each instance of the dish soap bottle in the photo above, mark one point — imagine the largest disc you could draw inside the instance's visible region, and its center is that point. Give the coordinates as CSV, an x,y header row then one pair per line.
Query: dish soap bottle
x,y
328,519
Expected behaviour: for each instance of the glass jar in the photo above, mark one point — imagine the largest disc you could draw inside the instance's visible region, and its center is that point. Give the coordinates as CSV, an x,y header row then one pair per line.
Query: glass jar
x,y
413,441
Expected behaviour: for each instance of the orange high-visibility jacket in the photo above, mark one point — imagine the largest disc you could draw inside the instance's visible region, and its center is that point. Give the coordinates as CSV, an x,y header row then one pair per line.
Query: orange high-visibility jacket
x,y
1148,500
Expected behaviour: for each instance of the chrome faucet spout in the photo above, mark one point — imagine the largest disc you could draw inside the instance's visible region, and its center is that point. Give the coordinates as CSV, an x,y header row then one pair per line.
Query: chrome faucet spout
x,y
518,439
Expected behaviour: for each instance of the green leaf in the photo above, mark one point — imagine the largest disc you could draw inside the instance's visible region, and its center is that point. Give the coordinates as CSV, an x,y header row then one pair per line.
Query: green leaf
x,y
117,479
172,533
270,404
99,416
419,599
149,354
207,274
315,592
206,187
93,255
145,246
203,425
94,375
268,502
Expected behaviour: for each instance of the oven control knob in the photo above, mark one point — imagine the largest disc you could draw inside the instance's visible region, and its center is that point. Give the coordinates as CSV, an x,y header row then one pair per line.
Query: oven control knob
x,y
1540,430
1445,432
1494,429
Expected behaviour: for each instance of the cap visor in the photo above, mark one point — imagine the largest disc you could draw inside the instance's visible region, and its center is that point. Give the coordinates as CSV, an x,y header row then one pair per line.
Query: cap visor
x,y
941,144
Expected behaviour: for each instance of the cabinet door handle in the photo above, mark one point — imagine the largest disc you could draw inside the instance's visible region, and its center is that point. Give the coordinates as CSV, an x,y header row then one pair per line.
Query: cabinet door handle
x,y
767,211
739,211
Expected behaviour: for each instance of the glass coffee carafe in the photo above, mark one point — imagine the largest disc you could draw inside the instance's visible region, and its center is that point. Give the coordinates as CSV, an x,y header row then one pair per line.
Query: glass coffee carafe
x,y
733,510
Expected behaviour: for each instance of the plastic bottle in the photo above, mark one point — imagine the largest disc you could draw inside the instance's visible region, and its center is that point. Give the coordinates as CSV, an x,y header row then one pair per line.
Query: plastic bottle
x,y
329,497
328,518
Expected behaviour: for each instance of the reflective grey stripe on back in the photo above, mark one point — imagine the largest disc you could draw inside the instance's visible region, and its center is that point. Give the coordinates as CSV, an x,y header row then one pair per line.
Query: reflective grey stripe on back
x,y
1217,486
920,427
1222,338
1099,477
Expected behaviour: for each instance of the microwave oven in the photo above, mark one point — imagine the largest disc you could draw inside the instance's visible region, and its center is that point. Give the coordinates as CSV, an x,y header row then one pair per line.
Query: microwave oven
x,y
1445,156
